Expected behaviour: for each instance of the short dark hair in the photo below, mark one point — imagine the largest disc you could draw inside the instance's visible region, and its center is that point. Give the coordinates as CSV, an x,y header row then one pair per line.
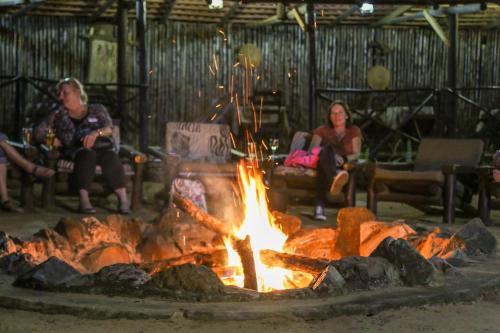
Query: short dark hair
x,y
346,108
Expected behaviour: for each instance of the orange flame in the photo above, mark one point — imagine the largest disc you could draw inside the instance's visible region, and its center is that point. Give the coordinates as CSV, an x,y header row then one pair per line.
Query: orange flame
x,y
259,224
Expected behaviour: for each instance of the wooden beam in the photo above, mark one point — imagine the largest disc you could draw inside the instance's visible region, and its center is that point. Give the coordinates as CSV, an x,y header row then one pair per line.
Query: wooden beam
x,y
395,13
298,18
377,2
27,8
101,10
169,5
451,103
311,46
236,5
141,50
436,27
467,9
345,14
493,24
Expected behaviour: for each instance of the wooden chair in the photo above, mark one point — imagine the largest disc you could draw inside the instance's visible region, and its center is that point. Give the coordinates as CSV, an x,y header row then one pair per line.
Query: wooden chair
x,y
296,184
489,194
195,151
19,179
63,183
431,180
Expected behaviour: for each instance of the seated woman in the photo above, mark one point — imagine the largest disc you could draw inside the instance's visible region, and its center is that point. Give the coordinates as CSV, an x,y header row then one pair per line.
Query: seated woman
x,y
341,142
83,132
10,153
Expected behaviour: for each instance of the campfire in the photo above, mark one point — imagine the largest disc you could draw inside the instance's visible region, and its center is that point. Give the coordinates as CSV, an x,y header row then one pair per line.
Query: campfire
x,y
189,249
257,232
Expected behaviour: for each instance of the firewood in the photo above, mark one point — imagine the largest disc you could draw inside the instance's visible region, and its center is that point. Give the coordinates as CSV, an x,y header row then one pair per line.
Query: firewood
x,y
244,249
202,217
293,262
207,259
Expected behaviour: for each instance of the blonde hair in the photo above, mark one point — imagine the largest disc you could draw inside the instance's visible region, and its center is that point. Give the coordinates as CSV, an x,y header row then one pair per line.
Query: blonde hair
x,y
75,84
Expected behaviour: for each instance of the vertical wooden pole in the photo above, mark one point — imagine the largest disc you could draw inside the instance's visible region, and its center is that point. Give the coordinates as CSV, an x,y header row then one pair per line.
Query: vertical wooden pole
x,y
20,100
452,74
121,65
143,74
311,44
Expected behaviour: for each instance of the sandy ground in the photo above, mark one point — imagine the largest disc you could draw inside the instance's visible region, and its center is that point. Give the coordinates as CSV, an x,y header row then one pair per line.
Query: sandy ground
x,y
480,316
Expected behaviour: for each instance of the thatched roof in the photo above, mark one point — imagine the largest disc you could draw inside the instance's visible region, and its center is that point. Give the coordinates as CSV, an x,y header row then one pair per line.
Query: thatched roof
x,y
251,12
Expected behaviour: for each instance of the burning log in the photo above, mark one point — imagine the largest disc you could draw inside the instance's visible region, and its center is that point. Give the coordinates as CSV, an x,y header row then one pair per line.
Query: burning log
x,y
202,217
244,249
293,262
193,258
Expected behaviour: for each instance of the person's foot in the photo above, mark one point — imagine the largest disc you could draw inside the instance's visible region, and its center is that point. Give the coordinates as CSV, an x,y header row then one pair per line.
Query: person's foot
x,y
125,210
8,206
319,213
42,172
86,210
339,181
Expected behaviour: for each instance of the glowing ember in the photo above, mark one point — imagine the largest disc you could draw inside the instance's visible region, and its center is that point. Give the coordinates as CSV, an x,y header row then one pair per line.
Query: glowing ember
x,y
259,224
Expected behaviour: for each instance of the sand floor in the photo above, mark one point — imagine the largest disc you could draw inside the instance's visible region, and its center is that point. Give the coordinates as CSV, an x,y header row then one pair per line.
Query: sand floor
x,y
480,316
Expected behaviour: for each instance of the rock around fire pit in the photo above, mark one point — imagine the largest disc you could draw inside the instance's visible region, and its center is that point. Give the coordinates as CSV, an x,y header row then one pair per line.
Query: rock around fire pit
x,y
175,258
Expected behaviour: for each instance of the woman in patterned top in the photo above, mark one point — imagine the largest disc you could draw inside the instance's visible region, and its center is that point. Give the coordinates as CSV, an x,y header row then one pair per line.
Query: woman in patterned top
x,y
341,142
83,132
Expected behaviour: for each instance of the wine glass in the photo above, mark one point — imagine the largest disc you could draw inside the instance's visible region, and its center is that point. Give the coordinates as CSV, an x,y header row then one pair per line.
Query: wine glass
x,y
274,143
27,135
49,138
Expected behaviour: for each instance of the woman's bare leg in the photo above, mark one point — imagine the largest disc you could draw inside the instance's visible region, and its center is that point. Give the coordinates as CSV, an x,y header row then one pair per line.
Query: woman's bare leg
x,y
23,163
5,203
4,194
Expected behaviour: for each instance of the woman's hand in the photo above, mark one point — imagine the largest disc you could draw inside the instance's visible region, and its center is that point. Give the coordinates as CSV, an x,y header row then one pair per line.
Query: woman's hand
x,y
57,143
89,140
496,176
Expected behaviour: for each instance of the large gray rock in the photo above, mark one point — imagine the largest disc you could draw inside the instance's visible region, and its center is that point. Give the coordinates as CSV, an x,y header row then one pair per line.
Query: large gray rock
x,y
48,275
188,277
122,275
366,272
476,238
413,267
16,263
6,244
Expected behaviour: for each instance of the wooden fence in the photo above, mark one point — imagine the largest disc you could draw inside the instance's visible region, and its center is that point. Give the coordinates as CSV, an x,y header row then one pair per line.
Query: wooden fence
x,y
184,82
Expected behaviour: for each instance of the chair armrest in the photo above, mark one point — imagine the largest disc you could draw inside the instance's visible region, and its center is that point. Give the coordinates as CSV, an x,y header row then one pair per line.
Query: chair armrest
x,y
371,166
133,154
459,169
157,152
396,166
28,151
50,153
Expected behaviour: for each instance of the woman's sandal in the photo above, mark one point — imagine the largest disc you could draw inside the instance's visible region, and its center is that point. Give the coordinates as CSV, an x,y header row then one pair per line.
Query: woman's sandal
x,y
87,210
42,172
124,210
9,206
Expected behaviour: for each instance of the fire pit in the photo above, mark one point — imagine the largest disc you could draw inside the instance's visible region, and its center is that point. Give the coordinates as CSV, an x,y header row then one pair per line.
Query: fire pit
x,y
188,254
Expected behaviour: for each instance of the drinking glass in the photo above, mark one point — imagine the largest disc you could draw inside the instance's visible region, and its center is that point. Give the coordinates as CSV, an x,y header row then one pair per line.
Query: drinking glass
x,y
27,135
274,143
49,138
